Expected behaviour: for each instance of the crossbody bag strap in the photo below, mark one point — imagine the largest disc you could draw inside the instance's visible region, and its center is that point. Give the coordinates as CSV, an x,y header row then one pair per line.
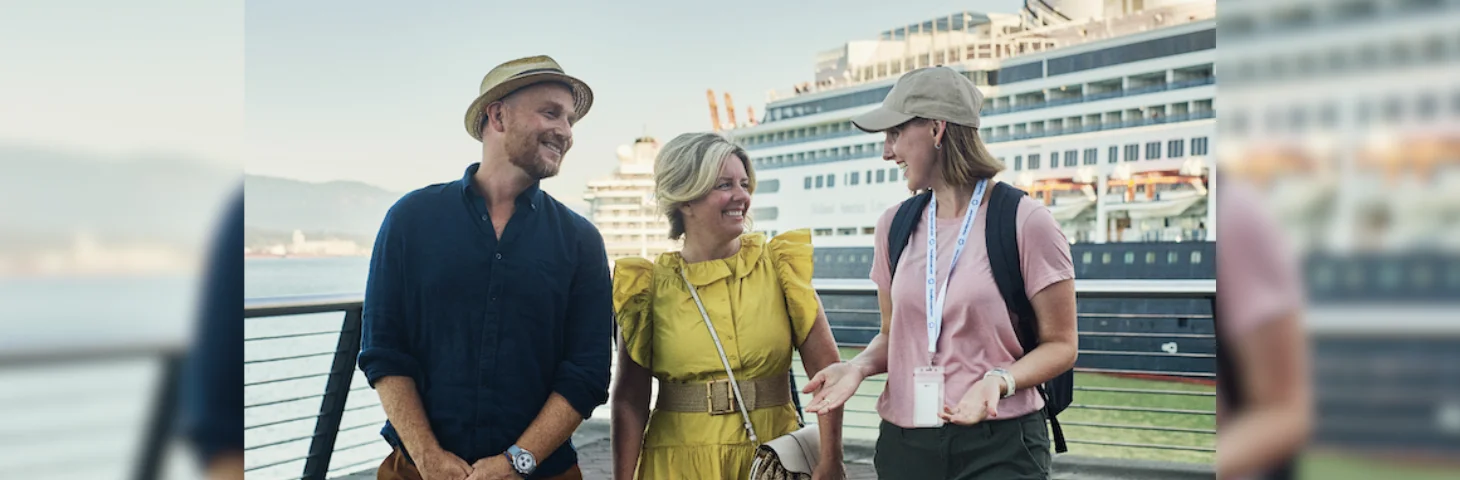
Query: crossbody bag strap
x,y
735,387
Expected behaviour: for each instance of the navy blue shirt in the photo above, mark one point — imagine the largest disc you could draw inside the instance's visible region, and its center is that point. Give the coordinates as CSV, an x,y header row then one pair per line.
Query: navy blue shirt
x,y
488,328
212,382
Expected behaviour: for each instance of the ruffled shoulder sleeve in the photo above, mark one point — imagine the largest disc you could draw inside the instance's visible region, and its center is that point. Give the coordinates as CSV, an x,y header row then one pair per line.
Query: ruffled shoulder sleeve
x,y
632,294
791,255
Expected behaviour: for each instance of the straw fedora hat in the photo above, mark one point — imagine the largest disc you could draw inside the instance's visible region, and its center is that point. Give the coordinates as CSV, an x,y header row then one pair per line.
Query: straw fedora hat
x,y
516,74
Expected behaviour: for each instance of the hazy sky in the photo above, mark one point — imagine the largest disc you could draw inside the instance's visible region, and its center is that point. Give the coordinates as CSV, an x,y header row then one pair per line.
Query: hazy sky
x,y
375,91
129,79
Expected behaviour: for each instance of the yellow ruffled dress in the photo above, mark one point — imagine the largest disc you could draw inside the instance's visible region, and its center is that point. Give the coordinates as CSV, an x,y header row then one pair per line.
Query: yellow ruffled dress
x,y
757,299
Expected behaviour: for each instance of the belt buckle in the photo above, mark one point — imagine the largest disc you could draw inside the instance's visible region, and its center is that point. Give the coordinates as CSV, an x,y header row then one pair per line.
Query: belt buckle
x,y
719,390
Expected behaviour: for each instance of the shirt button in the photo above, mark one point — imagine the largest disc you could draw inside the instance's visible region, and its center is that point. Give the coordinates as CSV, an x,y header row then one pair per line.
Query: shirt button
x,y
499,256
484,218
494,298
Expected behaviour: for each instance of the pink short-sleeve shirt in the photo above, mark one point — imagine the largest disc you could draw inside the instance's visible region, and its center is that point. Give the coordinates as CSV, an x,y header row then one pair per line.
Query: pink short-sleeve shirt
x,y
978,333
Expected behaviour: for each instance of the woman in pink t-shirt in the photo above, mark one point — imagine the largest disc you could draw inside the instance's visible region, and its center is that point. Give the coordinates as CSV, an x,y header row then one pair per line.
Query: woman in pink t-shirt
x,y
987,422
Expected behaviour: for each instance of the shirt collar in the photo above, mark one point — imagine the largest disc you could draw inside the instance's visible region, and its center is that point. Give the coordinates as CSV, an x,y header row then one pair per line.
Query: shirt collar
x,y
530,197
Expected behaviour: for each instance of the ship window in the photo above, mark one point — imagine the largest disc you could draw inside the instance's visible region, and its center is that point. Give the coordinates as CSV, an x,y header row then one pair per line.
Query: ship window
x,y
821,232
1034,161
855,178
868,231
1153,150
892,174
768,186
1196,257
1199,146
1018,162
881,176
866,258
1054,159
1105,258
830,180
1071,158
1087,258
1130,257
820,181
1132,152
1175,148
1150,258
1427,106
1171,258
1114,155
808,183
1090,156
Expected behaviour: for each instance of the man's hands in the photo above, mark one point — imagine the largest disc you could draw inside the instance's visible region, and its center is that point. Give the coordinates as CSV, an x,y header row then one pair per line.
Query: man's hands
x,y
439,464
495,467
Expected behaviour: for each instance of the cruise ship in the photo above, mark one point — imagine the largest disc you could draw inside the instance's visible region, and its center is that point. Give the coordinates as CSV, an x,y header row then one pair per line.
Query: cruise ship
x,y
622,205
1103,110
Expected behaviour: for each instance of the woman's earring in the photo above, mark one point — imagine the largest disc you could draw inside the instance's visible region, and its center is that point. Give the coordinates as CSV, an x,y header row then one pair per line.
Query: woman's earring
x,y
937,146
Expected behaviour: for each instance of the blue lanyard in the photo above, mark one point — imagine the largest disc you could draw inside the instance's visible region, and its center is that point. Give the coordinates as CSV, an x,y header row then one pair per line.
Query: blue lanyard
x,y
935,298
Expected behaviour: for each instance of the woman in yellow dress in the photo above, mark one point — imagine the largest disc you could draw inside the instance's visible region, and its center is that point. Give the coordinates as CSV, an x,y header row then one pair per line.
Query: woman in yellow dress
x,y
758,295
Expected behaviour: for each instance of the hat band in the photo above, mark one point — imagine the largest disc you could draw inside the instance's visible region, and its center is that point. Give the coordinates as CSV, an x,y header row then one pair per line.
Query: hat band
x,y
537,70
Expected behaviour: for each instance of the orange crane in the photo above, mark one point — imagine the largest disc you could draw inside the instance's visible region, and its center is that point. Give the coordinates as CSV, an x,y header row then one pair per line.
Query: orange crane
x,y
730,110
750,111
714,110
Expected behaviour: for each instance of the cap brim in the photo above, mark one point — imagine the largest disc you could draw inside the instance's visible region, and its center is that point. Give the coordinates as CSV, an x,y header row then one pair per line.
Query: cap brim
x,y
880,119
582,97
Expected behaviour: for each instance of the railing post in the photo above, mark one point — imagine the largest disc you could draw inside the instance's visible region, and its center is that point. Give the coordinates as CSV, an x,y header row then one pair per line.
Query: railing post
x,y
160,424
336,392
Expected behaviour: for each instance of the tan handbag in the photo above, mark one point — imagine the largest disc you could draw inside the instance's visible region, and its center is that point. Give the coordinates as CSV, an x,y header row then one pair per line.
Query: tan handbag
x,y
790,456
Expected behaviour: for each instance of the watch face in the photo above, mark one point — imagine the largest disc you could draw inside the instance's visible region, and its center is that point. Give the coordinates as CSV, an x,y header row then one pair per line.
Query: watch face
x,y
523,462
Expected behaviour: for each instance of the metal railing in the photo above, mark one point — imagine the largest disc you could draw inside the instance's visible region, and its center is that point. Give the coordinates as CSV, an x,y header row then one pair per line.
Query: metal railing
x,y
159,423
333,400
1160,87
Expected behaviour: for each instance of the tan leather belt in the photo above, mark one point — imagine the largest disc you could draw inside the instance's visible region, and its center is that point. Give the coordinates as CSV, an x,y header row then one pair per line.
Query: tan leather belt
x,y
717,398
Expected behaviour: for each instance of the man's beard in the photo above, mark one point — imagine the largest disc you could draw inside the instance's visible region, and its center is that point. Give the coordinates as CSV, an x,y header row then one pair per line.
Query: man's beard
x,y
525,155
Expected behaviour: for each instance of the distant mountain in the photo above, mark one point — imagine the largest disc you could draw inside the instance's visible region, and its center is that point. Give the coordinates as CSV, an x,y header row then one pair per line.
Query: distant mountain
x,y
50,195
342,209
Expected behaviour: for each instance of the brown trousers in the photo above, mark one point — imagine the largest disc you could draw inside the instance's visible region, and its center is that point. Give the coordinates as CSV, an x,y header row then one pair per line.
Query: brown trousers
x,y
395,467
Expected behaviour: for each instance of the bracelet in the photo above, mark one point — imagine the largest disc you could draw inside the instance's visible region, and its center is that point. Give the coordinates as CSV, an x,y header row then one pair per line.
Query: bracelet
x,y
1008,380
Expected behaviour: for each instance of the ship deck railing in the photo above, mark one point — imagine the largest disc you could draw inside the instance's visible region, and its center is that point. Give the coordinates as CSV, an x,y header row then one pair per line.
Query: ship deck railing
x,y
318,452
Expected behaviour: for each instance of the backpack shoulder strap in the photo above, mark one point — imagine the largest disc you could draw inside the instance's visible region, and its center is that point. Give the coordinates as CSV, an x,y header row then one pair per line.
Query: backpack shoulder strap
x,y
902,227
1002,236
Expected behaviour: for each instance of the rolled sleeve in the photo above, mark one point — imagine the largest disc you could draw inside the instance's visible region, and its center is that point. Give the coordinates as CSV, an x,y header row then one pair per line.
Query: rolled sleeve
x,y
385,341
582,374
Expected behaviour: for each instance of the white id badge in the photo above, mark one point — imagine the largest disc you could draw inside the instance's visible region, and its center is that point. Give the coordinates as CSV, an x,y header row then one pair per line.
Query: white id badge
x,y
927,396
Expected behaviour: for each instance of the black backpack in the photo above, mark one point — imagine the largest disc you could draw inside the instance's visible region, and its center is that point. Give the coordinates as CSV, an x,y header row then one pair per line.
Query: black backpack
x,y
1002,240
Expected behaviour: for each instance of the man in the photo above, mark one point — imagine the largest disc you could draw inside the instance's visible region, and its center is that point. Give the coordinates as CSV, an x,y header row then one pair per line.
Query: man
x,y
211,394
488,314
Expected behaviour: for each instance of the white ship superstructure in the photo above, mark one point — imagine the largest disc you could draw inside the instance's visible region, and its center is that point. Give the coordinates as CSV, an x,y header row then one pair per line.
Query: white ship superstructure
x,y
623,208
1105,113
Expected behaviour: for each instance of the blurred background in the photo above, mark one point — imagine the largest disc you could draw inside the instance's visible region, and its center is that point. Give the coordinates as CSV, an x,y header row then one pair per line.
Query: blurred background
x,y
123,139
1344,117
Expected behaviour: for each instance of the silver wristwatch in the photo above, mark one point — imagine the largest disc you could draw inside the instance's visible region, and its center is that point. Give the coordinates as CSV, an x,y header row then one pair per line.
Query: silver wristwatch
x,y
1008,380
522,460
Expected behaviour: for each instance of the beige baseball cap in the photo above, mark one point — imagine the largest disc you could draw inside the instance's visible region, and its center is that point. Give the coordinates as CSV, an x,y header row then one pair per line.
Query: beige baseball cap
x,y
937,93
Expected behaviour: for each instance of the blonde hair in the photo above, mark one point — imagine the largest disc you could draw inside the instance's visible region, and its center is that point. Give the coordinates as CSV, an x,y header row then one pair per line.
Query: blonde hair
x,y
963,159
686,170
